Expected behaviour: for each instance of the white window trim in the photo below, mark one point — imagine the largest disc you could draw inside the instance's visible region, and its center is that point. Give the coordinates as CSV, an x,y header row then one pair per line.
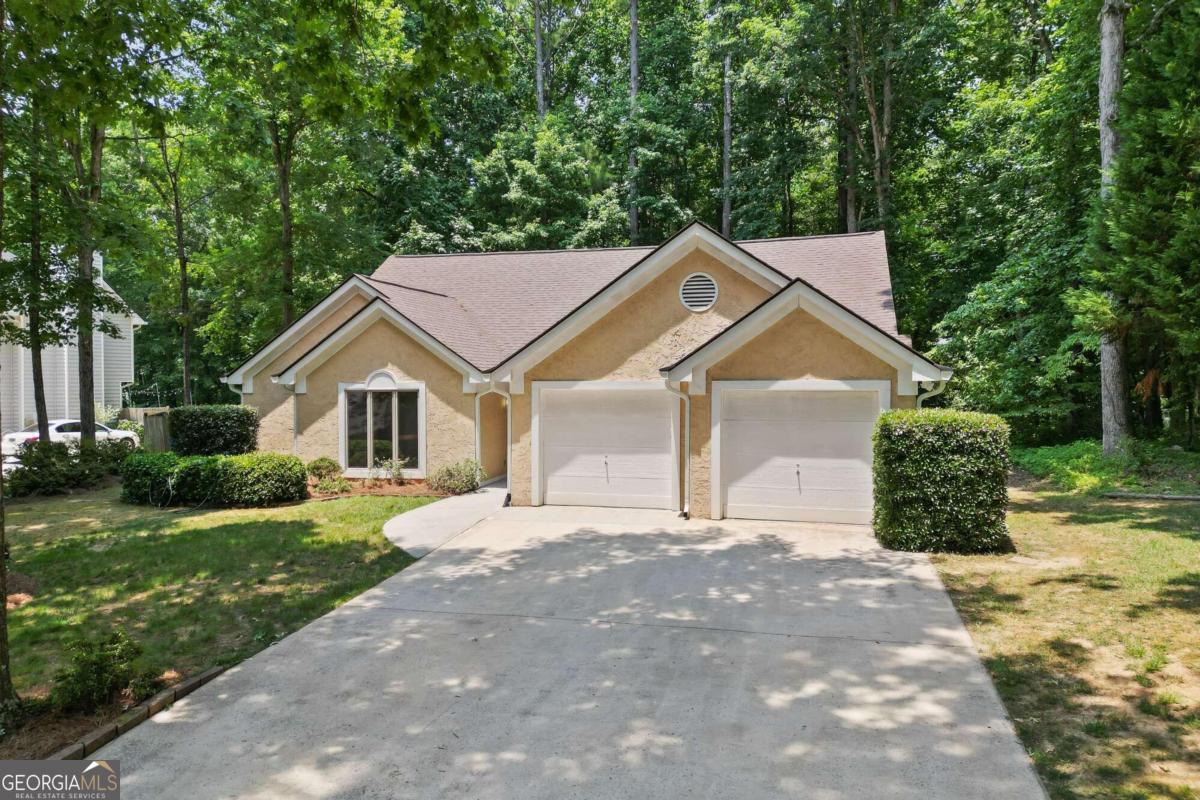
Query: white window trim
x,y
535,447
716,486
375,383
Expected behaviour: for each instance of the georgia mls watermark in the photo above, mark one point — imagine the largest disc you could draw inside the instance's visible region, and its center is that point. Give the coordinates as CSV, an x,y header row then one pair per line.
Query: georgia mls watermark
x,y
60,780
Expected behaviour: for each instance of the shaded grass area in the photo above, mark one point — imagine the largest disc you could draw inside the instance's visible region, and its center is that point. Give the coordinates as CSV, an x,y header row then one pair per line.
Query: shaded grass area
x,y
1091,633
195,588
1081,466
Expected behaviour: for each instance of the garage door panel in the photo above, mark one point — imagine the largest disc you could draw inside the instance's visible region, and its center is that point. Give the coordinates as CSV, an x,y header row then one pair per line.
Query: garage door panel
x,y
773,405
797,455
647,463
649,432
608,447
802,438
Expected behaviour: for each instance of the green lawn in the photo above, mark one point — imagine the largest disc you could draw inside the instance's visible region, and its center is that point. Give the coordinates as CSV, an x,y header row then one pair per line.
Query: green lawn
x,y
195,588
1092,635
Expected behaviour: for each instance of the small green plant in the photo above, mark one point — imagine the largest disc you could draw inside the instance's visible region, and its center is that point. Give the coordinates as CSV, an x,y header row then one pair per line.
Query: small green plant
x,y
335,485
323,468
100,670
460,477
389,469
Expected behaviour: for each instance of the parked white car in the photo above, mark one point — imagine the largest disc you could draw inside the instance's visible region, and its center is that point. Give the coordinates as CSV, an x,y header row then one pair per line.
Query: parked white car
x,y
65,430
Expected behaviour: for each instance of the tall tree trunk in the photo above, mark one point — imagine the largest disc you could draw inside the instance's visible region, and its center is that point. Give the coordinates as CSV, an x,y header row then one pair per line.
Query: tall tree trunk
x,y
8,695
726,146
1114,395
181,256
88,176
848,136
282,143
789,216
633,90
540,68
36,277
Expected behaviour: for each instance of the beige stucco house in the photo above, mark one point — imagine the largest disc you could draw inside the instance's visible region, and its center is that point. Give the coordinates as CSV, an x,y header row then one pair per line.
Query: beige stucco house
x,y
713,377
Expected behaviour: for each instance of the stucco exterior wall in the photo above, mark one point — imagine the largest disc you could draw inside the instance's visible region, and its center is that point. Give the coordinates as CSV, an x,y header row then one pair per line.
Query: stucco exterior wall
x,y
493,434
632,342
449,411
274,402
798,346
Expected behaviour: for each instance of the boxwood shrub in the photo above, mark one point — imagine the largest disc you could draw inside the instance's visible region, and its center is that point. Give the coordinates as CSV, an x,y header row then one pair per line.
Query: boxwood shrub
x,y
940,481
251,479
213,430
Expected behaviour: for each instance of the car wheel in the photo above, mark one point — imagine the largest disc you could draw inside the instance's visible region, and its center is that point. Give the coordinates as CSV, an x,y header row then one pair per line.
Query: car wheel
x,y
128,444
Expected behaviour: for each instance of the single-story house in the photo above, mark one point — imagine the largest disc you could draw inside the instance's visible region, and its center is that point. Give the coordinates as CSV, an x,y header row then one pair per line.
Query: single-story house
x,y
713,377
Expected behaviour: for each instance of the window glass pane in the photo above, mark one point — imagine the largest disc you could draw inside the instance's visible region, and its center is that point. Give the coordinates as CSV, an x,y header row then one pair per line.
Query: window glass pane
x,y
407,444
381,425
70,427
356,429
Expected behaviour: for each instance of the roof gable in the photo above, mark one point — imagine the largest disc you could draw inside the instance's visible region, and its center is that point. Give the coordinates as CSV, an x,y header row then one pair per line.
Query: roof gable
x,y
911,366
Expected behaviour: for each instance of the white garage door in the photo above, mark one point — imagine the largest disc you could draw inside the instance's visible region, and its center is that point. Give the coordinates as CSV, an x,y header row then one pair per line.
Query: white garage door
x,y
608,447
798,455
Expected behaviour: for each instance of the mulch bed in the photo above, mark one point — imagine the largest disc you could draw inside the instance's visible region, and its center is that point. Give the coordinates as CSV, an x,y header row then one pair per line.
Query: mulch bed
x,y
359,487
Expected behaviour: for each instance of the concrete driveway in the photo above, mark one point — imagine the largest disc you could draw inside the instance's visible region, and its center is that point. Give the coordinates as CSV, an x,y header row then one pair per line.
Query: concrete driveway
x,y
555,653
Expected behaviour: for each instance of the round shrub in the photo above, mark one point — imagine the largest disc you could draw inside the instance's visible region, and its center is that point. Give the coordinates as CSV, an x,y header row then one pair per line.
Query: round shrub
x,y
324,468
940,481
460,477
213,430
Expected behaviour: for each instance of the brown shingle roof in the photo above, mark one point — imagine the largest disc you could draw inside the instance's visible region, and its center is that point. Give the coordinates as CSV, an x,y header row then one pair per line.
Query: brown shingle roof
x,y
486,306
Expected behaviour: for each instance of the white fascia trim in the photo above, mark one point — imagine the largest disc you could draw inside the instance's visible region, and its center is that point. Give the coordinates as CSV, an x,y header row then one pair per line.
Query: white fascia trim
x,y
535,445
296,374
910,367
696,237
369,385
716,486
244,374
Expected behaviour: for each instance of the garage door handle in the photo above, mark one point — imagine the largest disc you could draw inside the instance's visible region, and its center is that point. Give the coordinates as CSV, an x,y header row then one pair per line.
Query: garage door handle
x,y
606,469
799,488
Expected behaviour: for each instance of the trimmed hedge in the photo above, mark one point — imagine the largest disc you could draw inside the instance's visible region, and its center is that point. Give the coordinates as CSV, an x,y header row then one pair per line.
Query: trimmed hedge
x,y
940,481
242,481
213,430
461,477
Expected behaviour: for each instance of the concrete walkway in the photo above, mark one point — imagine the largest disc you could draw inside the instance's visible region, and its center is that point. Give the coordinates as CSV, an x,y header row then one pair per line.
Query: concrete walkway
x,y
425,529
586,653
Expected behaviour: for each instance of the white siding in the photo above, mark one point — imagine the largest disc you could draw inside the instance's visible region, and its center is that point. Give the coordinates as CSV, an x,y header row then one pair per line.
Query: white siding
x,y
118,361
10,389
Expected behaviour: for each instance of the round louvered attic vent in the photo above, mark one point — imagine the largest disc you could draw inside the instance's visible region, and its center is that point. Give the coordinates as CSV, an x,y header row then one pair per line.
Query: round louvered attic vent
x,y
698,292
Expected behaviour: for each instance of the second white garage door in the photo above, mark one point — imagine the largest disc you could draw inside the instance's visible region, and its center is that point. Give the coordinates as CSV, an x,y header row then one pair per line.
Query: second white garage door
x,y
797,455
608,447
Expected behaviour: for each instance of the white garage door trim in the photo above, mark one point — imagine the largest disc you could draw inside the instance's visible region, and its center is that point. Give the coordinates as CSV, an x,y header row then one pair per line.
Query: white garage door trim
x,y
536,477
717,483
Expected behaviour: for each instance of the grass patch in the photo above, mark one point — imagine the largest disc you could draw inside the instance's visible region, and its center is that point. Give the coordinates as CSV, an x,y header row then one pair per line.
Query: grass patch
x,y
1082,467
195,588
1090,636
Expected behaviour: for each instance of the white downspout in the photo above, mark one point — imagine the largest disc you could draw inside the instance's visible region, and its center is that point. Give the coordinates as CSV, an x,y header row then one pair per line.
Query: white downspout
x,y
673,388
938,388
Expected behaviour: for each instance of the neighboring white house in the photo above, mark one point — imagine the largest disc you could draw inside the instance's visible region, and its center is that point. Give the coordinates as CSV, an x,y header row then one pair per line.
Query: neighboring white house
x,y
112,366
